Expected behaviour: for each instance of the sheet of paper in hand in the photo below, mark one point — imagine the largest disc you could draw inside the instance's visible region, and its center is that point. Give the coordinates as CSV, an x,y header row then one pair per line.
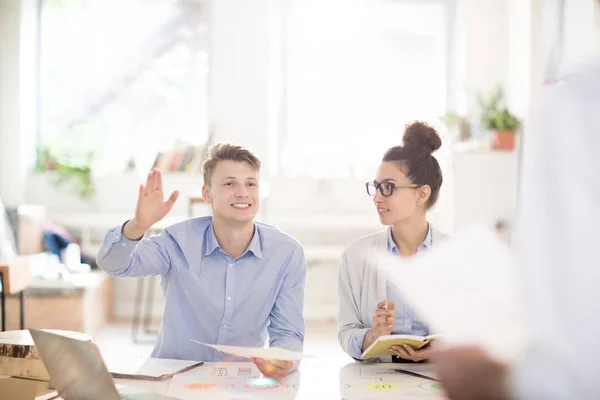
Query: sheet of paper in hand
x,y
467,288
267,353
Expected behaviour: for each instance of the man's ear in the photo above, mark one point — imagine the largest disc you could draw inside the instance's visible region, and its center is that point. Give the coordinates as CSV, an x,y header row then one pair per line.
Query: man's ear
x,y
206,194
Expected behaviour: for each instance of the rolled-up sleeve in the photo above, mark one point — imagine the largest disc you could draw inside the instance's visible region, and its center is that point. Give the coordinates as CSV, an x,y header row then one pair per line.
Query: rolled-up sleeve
x,y
122,257
287,327
352,331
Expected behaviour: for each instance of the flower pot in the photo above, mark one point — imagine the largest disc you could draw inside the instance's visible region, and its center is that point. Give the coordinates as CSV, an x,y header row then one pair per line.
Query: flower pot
x,y
504,140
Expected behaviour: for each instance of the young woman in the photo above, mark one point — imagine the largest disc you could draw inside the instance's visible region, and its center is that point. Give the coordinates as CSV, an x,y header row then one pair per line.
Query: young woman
x,y
407,184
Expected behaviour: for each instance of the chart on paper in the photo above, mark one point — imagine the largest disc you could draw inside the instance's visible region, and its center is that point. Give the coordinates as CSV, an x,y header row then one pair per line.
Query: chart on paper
x,y
354,381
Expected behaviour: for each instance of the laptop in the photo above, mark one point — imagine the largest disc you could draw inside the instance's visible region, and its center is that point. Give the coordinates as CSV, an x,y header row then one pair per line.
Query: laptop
x,y
78,372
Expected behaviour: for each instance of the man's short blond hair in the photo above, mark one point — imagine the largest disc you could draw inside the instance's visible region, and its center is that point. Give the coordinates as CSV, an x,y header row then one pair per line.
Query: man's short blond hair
x,y
227,152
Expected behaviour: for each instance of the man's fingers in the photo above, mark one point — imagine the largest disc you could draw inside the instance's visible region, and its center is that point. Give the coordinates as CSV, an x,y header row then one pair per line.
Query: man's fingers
x,y
172,199
381,304
141,193
269,366
158,179
261,365
392,306
151,181
147,188
282,363
275,369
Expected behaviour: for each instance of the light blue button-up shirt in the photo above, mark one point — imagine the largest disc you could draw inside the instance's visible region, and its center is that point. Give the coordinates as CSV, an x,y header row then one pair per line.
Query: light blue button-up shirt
x,y
406,321
210,296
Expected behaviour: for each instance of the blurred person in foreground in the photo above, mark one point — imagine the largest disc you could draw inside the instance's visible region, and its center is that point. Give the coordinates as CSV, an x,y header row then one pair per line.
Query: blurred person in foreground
x,y
557,241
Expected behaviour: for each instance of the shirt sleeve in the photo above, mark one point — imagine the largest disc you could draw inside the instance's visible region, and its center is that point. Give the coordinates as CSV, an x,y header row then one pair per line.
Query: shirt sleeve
x,y
351,330
122,257
287,328
557,244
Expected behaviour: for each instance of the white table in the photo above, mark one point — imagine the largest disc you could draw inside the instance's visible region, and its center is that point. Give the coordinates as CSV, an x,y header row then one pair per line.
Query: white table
x,y
317,379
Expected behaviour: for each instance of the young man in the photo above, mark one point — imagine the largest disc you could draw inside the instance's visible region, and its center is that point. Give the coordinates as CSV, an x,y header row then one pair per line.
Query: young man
x,y
558,241
226,279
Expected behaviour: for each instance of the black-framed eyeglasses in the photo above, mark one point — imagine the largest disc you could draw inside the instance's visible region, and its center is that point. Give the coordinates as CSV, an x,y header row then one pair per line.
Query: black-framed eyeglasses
x,y
387,188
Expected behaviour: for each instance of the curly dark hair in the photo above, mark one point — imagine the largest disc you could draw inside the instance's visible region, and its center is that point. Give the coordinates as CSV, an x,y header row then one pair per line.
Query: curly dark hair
x,y
415,157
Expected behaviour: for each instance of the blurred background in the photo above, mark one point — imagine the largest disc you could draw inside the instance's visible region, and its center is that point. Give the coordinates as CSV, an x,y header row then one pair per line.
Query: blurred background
x,y
94,93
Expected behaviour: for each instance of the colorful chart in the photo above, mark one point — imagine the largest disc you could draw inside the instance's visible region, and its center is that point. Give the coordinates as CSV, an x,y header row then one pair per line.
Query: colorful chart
x,y
383,386
431,386
220,371
259,385
355,381
199,385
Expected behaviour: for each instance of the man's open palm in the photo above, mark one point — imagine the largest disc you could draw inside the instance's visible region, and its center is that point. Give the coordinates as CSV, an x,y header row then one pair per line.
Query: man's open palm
x,y
151,205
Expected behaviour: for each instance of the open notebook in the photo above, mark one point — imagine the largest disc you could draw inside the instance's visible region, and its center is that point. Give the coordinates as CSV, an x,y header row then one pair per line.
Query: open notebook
x,y
381,345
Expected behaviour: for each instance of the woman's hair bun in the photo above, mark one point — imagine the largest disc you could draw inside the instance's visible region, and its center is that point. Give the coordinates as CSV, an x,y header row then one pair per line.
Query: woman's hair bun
x,y
421,135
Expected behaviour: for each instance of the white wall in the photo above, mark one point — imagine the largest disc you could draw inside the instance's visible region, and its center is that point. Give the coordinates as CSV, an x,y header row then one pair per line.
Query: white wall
x,y
485,187
244,73
244,78
485,28
244,102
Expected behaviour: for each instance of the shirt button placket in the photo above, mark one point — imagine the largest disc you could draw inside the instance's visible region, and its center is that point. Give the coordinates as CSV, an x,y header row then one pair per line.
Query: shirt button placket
x,y
229,281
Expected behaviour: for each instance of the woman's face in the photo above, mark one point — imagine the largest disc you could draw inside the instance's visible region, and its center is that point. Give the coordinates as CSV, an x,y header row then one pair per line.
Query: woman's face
x,y
404,201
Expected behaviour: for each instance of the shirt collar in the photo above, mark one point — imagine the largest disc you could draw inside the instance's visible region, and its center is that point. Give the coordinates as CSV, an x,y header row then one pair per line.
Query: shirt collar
x,y
211,243
424,246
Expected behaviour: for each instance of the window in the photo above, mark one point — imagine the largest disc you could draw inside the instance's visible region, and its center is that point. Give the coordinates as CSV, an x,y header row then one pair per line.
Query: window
x,y
122,79
356,72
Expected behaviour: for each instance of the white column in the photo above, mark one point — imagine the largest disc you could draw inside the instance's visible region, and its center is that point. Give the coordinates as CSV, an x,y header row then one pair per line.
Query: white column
x,y
244,74
18,91
483,45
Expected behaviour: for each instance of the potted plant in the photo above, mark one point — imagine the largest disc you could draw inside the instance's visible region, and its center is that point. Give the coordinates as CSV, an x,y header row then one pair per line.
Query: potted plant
x,y
76,170
460,124
496,117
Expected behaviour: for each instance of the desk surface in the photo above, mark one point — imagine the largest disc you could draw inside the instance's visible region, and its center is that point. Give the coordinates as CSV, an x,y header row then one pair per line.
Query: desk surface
x,y
316,379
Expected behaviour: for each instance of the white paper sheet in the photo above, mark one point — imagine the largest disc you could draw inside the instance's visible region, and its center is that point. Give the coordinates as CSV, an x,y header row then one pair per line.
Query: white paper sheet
x,y
267,353
467,288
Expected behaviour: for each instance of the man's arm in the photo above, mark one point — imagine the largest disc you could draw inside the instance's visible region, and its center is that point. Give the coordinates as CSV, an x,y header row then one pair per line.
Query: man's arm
x,y
120,256
287,326
559,237
125,251
351,330
557,241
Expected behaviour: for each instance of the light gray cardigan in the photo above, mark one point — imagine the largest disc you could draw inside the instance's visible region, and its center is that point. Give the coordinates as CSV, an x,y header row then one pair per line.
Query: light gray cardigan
x,y
361,286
